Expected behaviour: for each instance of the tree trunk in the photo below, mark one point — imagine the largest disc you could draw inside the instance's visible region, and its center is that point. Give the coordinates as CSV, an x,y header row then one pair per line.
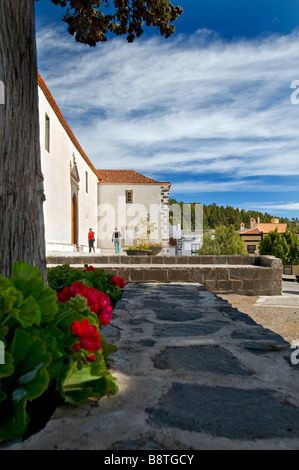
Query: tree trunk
x,y
21,180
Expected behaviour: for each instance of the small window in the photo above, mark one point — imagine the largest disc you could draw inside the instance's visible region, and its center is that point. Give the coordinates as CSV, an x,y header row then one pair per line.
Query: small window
x,y
47,133
129,197
86,181
251,248
287,270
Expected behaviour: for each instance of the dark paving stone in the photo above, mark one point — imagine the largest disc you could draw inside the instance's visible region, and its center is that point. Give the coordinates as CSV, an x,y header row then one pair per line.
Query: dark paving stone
x,y
260,340
191,329
260,348
235,315
173,302
111,333
178,314
156,305
147,342
260,333
201,358
226,412
120,305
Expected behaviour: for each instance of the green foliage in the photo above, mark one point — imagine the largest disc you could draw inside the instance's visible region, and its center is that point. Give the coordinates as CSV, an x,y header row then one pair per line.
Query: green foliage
x,y
25,305
226,242
214,215
91,20
281,245
85,383
35,330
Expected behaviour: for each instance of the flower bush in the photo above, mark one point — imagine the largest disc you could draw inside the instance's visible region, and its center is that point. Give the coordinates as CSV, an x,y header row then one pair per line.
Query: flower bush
x,y
53,341
97,301
64,275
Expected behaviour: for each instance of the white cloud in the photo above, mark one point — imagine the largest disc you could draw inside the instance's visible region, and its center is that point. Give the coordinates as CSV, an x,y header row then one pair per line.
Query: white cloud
x,y
253,185
268,206
184,105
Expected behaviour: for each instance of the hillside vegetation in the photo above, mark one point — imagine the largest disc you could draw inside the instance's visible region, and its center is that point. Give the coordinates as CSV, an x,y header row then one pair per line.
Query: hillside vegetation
x,y
215,216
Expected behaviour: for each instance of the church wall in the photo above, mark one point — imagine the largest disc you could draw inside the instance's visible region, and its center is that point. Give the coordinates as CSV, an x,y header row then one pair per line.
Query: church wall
x,y
57,162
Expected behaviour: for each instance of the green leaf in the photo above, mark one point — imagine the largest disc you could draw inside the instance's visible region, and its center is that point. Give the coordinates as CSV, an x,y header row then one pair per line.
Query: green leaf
x,y
31,360
29,380
27,279
10,300
7,368
29,313
95,387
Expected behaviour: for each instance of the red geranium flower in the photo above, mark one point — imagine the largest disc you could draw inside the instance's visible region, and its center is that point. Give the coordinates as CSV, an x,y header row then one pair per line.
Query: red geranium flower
x,y
88,268
98,302
118,281
71,291
105,315
88,334
91,358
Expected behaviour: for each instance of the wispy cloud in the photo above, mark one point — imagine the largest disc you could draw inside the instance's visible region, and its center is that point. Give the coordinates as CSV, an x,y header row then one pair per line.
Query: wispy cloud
x,y
252,185
195,105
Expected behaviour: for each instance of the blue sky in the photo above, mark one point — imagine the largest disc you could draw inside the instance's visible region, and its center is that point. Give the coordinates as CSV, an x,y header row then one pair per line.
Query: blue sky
x,y
210,109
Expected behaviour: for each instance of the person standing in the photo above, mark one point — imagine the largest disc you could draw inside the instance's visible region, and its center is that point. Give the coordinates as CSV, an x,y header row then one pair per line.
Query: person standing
x,y
116,236
91,240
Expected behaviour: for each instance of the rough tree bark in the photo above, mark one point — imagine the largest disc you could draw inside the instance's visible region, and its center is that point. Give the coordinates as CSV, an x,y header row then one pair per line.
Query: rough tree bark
x,y
21,180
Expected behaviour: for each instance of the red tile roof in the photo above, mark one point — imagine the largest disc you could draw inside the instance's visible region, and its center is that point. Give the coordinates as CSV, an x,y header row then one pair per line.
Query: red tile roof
x,y
250,231
126,177
266,228
63,122
263,228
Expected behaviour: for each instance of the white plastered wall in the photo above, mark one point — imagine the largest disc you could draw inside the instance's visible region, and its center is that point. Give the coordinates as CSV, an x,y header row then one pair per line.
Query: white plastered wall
x,y
56,168
113,211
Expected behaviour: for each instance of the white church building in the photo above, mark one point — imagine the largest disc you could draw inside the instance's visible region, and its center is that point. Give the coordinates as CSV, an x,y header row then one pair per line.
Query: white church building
x,y
80,197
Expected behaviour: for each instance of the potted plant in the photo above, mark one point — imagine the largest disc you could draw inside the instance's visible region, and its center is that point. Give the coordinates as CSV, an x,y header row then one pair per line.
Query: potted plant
x,y
140,250
145,247
155,248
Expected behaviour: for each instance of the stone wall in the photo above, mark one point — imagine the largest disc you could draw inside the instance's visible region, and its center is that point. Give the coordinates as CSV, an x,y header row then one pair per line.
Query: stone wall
x,y
244,275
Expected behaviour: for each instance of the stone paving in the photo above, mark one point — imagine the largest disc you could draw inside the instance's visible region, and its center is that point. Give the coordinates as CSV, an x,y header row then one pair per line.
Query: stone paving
x,y
193,374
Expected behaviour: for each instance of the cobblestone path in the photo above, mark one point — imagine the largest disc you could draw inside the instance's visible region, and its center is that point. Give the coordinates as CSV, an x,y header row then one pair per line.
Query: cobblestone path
x,y
193,374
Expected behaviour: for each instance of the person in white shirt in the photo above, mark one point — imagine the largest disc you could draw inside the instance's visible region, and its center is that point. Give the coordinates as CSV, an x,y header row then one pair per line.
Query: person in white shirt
x,y
116,236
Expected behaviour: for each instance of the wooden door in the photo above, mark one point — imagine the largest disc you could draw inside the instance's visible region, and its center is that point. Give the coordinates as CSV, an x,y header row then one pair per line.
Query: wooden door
x,y
74,221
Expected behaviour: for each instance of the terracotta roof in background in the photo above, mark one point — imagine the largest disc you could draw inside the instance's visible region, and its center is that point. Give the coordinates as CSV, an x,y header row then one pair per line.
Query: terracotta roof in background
x,y
63,122
250,231
125,177
263,228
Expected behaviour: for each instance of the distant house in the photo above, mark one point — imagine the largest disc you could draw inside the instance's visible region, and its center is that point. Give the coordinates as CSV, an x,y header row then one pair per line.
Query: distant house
x,y
253,235
79,196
